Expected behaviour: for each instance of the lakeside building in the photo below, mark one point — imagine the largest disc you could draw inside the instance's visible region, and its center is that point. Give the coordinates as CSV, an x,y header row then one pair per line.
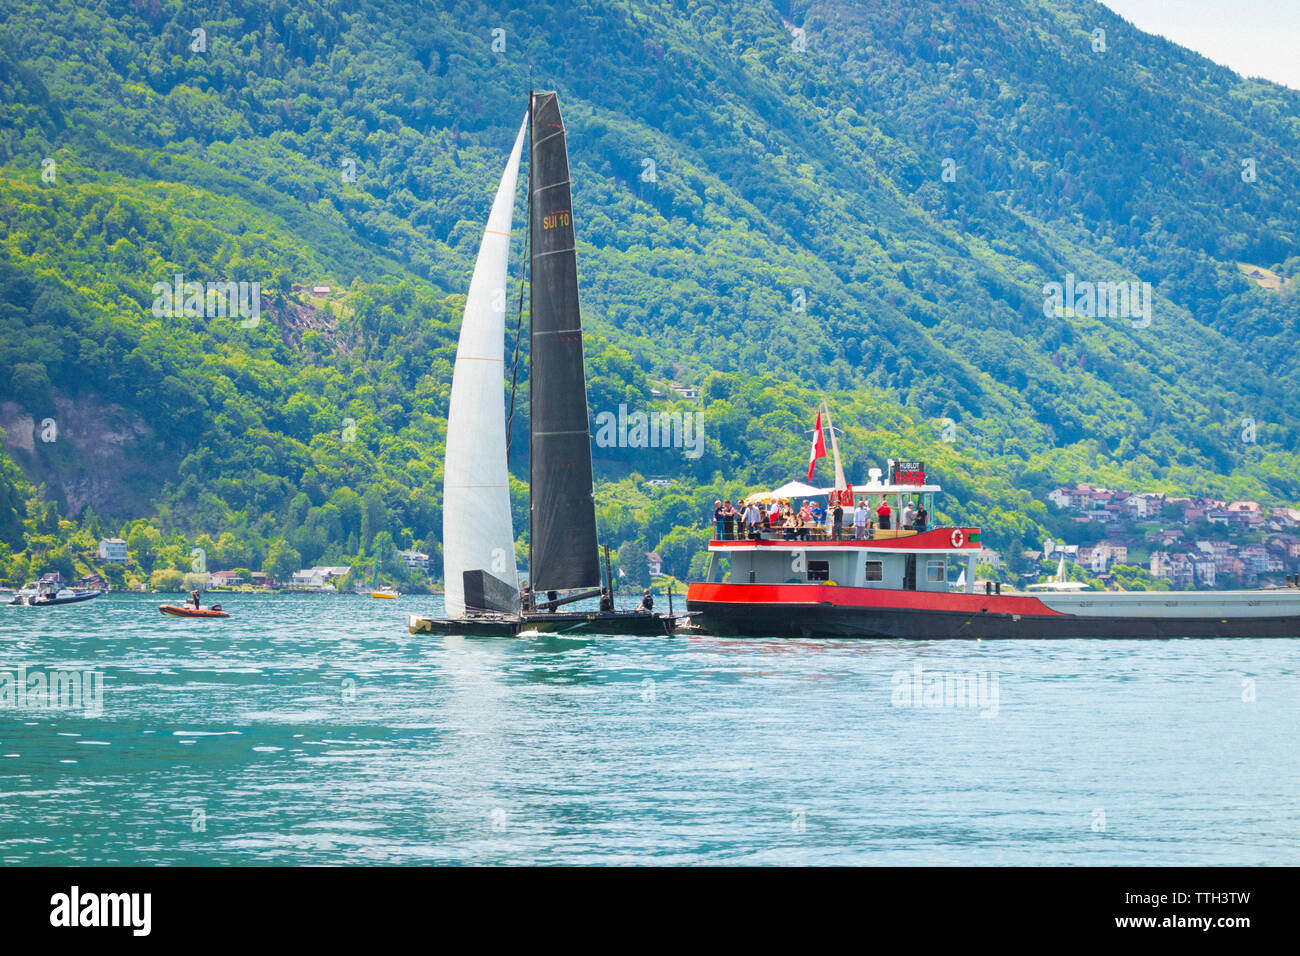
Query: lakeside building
x,y
112,550
319,578
415,560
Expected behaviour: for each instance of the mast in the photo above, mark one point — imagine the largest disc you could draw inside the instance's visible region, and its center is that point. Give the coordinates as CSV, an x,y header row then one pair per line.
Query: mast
x,y
563,551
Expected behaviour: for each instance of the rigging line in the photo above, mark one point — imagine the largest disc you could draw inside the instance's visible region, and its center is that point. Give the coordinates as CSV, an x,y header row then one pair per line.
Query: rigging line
x,y
519,325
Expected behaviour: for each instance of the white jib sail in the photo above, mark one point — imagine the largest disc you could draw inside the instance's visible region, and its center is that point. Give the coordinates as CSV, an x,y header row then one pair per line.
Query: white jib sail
x,y
477,533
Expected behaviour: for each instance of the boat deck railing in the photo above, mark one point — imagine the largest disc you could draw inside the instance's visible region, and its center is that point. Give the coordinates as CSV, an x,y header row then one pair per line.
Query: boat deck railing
x,y
820,534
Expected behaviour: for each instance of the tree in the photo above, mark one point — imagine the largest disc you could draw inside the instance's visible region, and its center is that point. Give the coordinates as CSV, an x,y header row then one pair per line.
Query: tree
x,y
114,574
144,542
632,562
281,561
167,579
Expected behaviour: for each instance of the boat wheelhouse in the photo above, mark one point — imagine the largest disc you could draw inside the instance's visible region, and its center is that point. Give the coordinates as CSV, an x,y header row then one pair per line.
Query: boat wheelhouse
x,y
905,558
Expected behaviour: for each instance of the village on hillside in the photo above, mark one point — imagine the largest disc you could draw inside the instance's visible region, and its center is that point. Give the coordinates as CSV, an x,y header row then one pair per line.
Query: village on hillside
x,y
1189,542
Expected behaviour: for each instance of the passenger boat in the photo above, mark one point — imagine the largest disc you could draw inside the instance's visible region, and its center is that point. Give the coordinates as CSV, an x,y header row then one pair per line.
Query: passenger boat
x,y
483,594
896,584
184,610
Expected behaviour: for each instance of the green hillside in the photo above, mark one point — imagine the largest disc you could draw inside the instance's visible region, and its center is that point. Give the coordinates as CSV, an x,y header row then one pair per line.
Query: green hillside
x,y
868,207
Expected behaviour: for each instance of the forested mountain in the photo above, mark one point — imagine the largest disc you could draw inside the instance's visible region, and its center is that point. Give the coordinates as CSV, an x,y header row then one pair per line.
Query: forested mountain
x,y
774,201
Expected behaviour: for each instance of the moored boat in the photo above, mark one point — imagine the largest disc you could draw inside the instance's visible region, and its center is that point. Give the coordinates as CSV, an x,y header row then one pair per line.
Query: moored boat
x,y
896,584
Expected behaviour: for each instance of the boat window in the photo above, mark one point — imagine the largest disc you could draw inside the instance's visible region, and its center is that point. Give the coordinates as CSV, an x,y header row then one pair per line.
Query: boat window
x,y
819,570
875,571
935,572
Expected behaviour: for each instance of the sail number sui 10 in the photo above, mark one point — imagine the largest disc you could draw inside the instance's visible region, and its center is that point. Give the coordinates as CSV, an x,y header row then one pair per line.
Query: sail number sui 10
x,y
556,219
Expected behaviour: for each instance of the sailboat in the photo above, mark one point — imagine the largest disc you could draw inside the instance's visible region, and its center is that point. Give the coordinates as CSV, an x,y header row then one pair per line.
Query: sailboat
x,y
375,590
1061,582
483,595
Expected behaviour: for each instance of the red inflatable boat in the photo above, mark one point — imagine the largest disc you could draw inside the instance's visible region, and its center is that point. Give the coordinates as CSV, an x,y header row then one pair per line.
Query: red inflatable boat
x,y
187,611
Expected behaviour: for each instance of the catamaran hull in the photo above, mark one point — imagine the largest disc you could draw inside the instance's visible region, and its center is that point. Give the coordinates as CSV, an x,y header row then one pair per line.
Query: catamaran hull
x,y
756,611
632,623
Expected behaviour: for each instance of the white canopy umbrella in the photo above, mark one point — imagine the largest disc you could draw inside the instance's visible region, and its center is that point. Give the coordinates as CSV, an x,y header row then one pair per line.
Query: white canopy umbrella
x,y
795,489
791,489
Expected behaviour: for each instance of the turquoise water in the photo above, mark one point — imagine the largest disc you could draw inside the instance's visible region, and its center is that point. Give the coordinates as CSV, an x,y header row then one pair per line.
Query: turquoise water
x,y
314,729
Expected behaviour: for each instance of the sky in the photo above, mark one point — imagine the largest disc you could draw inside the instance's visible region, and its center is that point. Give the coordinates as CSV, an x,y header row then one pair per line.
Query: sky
x,y
1254,37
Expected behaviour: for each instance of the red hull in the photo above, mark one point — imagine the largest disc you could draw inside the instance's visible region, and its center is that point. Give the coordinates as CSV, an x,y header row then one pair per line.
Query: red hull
x,y
178,611
802,610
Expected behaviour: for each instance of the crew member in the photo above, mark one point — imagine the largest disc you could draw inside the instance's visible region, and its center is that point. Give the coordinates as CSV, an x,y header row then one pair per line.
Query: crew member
x,y
860,519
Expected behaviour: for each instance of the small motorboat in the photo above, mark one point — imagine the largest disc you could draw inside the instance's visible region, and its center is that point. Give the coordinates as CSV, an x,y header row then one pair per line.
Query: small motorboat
x,y
47,599
186,610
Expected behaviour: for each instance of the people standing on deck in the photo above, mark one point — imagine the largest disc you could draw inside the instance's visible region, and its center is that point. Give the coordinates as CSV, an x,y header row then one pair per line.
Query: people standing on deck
x,y
908,513
717,520
805,520
194,596
837,517
728,520
774,514
883,513
860,520
753,520
922,518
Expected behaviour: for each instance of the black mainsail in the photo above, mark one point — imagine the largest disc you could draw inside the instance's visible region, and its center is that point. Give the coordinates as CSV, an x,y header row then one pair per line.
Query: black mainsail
x,y
562,539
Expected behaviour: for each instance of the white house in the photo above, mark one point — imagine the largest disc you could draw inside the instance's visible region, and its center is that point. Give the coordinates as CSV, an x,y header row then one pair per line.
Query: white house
x,y
318,578
112,549
415,560
307,578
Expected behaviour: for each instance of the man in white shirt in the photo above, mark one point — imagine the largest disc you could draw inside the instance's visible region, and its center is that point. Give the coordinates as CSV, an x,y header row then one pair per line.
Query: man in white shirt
x,y
860,520
773,513
908,512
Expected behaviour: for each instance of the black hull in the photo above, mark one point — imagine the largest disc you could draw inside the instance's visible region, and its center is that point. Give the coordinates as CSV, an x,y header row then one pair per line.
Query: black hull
x,y
778,620
54,602
637,623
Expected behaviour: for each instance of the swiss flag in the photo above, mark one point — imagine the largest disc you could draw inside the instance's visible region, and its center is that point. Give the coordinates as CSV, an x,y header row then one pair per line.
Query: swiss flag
x,y
818,445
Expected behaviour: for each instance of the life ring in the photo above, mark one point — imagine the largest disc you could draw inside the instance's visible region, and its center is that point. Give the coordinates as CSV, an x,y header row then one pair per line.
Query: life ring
x,y
958,537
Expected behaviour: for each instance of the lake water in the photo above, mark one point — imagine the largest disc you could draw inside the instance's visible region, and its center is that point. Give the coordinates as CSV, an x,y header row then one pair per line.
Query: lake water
x,y
314,729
